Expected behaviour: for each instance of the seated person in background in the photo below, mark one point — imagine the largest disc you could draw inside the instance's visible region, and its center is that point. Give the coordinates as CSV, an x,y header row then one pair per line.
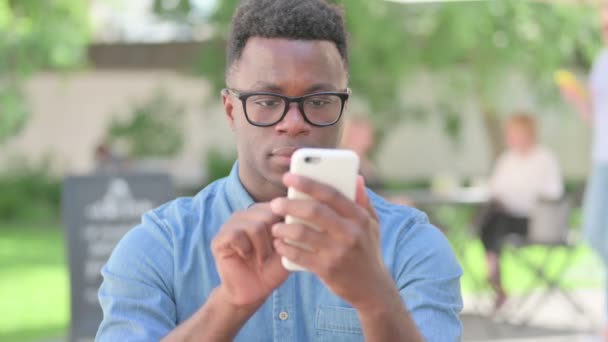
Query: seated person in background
x,y
108,161
359,136
524,173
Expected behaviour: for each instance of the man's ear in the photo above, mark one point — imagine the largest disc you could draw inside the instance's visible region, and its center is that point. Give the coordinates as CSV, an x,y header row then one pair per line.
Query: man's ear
x,y
228,107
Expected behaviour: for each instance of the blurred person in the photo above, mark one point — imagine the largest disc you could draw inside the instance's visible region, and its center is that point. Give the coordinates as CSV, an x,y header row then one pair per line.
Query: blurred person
x,y
108,160
359,135
592,105
103,157
524,173
209,267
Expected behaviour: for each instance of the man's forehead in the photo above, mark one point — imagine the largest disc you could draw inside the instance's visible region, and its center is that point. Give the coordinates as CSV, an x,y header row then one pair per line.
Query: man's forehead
x,y
274,61
279,45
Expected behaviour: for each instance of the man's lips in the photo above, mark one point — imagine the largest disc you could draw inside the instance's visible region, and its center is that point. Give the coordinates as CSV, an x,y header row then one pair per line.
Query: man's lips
x,y
283,154
286,151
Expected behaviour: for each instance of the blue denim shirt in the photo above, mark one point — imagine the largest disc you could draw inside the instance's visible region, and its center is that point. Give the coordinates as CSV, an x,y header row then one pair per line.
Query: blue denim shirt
x,y
162,272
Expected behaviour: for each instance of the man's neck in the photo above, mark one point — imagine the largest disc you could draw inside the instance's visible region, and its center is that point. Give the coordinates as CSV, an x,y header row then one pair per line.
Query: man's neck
x,y
260,189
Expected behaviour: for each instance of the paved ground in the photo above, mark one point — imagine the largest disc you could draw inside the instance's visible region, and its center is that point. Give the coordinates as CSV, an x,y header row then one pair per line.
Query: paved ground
x,y
550,319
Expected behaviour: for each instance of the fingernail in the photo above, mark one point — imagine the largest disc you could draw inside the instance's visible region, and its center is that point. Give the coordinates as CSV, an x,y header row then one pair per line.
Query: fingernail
x,y
277,205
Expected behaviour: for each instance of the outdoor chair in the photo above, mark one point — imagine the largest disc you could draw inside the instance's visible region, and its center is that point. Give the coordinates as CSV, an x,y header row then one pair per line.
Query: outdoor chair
x,y
549,227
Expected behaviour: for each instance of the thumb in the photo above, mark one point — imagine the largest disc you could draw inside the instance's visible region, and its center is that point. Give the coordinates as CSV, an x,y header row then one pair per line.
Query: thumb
x,y
362,199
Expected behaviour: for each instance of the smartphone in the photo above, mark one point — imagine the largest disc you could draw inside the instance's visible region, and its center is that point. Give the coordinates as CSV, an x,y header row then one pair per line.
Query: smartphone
x,y
335,167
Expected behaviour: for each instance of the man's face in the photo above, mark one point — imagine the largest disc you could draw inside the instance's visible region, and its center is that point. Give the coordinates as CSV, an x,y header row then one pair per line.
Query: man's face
x,y
290,68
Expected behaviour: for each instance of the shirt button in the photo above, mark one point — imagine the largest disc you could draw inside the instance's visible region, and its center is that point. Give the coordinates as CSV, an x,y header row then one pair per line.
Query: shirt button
x,y
283,315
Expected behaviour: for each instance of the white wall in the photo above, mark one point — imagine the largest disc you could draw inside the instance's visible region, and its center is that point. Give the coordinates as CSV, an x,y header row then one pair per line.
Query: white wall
x,y
421,149
70,114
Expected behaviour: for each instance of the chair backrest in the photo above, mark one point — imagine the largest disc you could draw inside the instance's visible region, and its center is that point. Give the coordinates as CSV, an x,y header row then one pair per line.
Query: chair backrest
x,y
550,222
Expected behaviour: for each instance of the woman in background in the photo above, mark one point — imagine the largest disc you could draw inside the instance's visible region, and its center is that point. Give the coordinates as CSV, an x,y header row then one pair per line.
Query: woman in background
x,y
524,173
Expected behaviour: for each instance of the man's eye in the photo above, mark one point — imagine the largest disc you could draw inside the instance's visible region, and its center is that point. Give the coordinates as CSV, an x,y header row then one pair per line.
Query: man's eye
x,y
317,102
267,102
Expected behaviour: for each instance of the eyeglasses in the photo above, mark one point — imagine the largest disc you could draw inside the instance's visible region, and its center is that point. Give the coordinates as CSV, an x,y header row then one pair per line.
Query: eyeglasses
x,y
267,109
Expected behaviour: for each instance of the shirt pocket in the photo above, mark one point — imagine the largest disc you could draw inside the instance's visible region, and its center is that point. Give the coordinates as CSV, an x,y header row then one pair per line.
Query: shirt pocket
x,y
334,323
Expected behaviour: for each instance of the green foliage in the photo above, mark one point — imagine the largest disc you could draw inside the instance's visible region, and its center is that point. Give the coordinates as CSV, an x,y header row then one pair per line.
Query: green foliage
x,y
35,35
30,193
212,64
13,111
219,164
39,34
473,46
489,40
482,41
469,49
172,9
153,130
33,273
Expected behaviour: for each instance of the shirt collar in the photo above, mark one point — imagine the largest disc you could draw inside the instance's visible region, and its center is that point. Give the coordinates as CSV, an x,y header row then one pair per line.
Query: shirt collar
x,y
236,194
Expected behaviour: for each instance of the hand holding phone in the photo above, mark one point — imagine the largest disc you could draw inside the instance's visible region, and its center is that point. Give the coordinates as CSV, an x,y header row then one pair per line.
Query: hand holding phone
x,y
335,167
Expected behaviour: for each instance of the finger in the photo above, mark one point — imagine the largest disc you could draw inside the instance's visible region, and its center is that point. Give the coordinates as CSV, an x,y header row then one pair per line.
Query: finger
x,y
248,234
261,218
297,255
321,192
300,235
275,272
228,243
362,199
261,212
242,245
260,237
319,216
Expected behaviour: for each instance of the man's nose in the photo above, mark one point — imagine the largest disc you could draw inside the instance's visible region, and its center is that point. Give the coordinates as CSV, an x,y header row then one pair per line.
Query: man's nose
x,y
293,123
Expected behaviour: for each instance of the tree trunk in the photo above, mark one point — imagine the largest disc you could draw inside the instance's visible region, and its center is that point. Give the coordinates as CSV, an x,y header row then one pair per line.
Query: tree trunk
x,y
493,130
490,119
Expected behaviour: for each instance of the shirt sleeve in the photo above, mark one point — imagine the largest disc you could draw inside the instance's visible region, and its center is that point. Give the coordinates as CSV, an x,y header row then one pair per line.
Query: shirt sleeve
x,y
136,294
429,282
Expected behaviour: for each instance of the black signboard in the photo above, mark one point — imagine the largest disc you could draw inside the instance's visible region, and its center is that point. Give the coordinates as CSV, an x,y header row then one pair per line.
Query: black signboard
x,y
97,211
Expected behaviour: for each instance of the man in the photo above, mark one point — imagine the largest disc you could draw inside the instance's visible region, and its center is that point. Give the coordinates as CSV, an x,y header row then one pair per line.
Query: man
x,y
208,268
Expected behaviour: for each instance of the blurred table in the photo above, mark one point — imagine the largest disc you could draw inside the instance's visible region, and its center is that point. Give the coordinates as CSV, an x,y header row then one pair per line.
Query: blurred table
x,y
458,225
426,198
